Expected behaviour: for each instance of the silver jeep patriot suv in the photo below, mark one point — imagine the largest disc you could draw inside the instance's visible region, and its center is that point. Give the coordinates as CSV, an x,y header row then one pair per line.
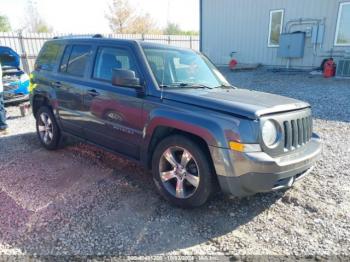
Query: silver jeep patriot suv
x,y
171,110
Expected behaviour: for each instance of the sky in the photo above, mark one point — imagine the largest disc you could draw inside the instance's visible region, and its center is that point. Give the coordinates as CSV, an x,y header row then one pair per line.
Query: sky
x,y
88,16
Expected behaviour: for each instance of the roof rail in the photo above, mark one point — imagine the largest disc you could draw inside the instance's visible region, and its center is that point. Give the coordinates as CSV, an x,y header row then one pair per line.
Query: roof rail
x,y
78,36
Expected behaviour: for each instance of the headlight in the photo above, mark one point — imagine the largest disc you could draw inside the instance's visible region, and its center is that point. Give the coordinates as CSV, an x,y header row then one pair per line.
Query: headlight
x,y
24,78
269,133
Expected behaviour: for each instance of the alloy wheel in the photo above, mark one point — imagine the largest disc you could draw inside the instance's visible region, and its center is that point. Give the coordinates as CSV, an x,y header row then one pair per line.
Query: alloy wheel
x,y
179,172
45,128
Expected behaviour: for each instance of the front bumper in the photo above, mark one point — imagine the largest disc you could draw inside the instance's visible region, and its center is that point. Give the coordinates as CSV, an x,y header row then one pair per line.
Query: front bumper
x,y
242,174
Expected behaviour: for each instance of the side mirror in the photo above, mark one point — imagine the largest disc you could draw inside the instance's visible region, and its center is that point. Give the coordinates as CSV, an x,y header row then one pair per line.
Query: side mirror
x,y
124,77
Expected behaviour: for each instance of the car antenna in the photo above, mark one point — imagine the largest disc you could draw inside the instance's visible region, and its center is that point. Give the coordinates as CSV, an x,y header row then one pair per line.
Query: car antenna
x,y
161,91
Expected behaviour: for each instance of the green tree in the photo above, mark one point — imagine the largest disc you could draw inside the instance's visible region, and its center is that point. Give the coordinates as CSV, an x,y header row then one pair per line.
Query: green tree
x,y
175,29
190,33
4,24
42,27
172,29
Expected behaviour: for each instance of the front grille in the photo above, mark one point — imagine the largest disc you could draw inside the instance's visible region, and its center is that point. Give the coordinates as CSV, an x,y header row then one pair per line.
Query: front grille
x,y
297,132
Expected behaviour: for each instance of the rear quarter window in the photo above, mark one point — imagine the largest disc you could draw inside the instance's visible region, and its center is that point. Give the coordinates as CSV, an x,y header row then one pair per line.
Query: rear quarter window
x,y
48,57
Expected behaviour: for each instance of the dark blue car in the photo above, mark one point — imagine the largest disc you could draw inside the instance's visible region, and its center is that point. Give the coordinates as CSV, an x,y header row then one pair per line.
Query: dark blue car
x,y
16,81
171,109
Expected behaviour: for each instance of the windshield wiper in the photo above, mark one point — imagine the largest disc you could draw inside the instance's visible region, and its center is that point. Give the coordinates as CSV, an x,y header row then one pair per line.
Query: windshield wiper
x,y
226,86
185,85
194,85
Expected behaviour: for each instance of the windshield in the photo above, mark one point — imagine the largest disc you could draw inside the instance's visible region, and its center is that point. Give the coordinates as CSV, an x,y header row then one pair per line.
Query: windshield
x,y
176,68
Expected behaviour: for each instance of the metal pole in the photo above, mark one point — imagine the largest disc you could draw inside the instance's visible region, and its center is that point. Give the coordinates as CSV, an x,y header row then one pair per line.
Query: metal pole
x,y
23,54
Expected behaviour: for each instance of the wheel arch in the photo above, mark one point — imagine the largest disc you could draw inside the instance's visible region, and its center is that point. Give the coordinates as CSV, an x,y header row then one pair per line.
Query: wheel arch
x,y
162,132
206,132
38,101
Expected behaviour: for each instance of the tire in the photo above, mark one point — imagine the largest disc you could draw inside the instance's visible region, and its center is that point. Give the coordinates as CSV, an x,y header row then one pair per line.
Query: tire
x,y
179,162
47,129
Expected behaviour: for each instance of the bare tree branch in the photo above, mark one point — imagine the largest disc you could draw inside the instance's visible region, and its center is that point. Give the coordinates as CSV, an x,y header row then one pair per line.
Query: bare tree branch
x,y
33,21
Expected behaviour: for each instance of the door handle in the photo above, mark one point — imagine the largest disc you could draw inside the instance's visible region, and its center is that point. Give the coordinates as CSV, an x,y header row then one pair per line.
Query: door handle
x,y
56,84
93,93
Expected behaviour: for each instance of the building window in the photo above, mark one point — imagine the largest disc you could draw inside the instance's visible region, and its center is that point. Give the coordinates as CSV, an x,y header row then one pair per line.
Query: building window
x,y
342,35
275,28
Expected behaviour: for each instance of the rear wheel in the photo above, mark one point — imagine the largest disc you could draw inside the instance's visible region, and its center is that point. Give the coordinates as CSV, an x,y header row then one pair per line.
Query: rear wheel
x,y
47,129
182,172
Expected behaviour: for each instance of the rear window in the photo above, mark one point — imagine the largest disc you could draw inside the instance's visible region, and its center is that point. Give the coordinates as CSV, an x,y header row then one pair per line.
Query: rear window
x,y
48,57
75,59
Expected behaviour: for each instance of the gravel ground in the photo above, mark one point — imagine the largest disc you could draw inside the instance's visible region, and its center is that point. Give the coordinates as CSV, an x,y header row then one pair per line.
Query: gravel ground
x,y
81,200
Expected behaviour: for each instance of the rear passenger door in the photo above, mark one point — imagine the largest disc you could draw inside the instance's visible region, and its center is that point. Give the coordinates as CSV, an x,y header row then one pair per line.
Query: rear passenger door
x,y
70,88
114,119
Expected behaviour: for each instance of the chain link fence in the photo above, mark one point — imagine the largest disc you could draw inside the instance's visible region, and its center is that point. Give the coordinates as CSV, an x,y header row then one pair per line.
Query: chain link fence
x,y
28,45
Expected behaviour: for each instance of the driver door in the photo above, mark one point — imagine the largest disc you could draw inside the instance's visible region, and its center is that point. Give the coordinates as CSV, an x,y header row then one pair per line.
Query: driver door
x,y
113,113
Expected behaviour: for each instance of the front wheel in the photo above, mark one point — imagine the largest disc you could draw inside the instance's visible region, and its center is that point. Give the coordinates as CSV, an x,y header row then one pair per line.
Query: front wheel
x,y
182,172
47,129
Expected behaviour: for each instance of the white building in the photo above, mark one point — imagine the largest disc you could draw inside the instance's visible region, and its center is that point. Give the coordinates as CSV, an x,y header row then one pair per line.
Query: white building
x,y
260,31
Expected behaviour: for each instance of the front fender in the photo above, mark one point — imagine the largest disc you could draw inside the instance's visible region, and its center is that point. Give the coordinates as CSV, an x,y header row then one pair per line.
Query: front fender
x,y
216,129
195,124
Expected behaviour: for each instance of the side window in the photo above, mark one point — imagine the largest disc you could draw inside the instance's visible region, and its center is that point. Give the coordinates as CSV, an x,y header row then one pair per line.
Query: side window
x,y
112,58
65,58
275,28
75,60
48,57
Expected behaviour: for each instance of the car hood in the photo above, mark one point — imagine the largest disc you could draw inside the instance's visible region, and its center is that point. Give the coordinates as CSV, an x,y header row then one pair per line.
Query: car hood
x,y
8,57
247,103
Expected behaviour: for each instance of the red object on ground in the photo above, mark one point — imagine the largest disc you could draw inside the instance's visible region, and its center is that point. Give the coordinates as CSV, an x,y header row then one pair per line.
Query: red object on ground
x,y
232,64
329,69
